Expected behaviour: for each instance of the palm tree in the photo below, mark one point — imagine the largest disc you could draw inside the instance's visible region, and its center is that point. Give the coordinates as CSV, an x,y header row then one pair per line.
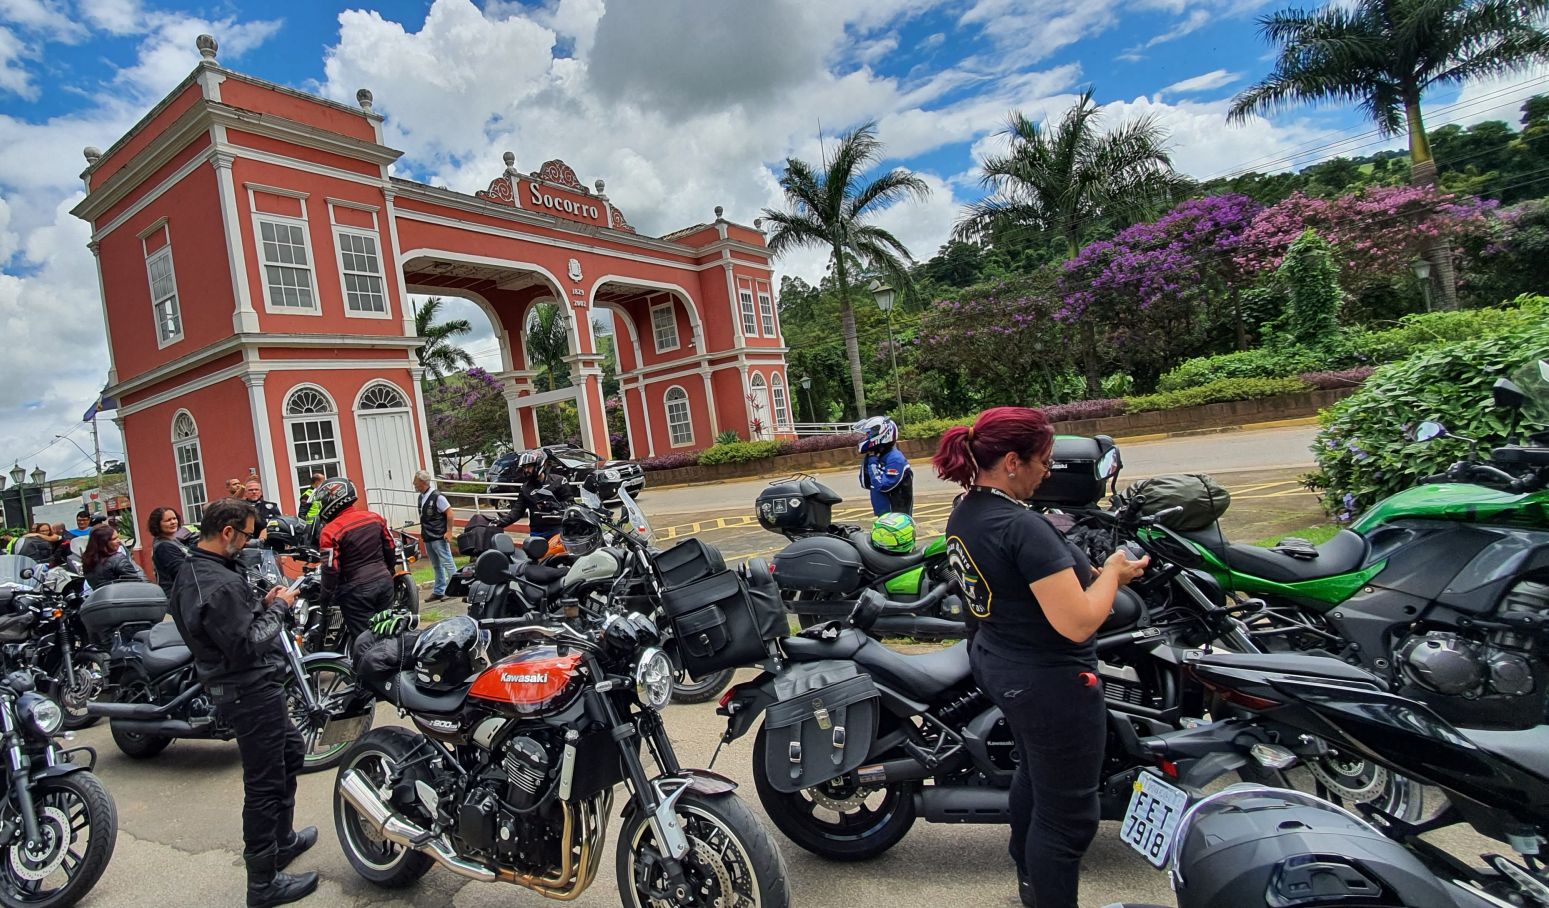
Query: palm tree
x,y
439,356
1069,176
1385,54
829,210
548,340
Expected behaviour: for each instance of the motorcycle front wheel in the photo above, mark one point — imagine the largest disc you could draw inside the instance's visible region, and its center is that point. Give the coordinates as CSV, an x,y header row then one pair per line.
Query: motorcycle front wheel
x,y
79,827
704,690
406,594
326,735
731,858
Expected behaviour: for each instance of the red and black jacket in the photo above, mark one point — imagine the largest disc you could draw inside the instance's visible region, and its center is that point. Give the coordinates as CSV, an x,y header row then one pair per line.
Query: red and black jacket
x,y
357,549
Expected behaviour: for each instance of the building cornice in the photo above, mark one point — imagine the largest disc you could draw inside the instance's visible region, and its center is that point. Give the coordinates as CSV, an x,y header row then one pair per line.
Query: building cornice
x,y
237,343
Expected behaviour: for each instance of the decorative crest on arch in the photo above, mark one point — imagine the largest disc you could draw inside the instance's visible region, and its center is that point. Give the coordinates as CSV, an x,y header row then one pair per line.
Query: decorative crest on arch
x,y
499,192
617,222
557,171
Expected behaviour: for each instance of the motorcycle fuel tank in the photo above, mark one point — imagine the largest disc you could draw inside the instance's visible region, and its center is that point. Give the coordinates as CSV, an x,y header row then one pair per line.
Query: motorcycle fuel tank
x,y
533,682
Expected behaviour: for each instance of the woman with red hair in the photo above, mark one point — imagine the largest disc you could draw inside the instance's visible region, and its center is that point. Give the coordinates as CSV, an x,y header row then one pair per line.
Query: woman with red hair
x,y
1034,603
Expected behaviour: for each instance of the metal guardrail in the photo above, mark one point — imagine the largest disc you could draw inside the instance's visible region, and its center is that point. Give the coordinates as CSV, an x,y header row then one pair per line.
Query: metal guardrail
x,y
803,429
393,504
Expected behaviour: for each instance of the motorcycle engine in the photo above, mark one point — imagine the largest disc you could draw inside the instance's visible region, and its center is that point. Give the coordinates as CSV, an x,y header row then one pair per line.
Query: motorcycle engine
x,y
508,812
1496,670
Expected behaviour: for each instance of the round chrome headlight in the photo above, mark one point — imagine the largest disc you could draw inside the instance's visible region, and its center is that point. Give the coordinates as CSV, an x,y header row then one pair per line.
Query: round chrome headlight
x,y
654,678
43,714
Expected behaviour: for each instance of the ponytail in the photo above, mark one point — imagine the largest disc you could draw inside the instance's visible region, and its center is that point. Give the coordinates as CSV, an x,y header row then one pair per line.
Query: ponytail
x,y
998,431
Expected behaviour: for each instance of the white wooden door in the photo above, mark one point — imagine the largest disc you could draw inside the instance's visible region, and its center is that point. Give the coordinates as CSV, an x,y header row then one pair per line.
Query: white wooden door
x,y
387,457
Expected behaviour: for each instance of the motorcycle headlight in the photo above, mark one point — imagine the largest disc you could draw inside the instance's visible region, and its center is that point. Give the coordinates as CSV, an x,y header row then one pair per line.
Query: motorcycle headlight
x,y
42,714
654,678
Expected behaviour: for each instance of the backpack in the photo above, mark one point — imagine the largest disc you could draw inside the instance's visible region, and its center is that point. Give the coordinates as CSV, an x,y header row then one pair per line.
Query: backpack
x,y
1202,499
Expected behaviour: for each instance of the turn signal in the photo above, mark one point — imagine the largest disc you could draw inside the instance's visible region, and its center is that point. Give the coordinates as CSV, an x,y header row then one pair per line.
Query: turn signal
x,y
1272,756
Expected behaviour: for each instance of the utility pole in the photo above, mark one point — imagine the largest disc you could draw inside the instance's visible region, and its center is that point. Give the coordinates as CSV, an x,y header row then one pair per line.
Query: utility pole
x,y
96,447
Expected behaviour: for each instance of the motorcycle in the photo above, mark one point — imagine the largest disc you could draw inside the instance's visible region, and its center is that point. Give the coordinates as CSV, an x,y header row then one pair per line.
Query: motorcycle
x,y
48,601
59,823
406,593
1495,781
156,697
1438,588
509,772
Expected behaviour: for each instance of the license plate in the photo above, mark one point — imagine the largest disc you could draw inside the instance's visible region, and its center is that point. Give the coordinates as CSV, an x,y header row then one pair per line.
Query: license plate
x,y
1152,818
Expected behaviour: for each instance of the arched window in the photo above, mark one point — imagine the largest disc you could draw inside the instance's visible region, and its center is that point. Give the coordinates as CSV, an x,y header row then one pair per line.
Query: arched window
x,y
680,423
763,411
382,396
190,466
781,410
314,434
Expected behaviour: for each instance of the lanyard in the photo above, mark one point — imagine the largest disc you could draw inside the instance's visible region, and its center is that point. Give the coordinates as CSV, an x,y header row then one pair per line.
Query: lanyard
x,y
994,491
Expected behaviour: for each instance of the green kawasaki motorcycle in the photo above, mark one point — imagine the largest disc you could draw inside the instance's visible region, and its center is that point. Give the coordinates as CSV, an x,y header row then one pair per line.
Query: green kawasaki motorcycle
x,y
1442,589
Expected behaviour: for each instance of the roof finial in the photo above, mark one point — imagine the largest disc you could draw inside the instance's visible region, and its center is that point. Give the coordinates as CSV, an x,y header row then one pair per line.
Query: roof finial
x,y
510,159
207,46
93,154
719,211
758,223
601,187
364,99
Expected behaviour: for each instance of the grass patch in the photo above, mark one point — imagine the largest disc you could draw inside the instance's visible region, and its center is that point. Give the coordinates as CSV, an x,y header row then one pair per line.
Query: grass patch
x,y
1317,534
425,572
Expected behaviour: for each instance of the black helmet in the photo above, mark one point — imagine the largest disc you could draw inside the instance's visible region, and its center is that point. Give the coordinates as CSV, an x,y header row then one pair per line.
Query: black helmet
x,y
1252,845
286,533
449,653
333,497
580,531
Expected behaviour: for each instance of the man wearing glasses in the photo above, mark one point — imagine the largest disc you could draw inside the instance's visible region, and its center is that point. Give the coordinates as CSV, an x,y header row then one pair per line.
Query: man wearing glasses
x,y
235,638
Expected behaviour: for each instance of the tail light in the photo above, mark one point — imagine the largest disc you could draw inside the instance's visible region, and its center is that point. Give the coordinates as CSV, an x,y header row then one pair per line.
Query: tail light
x,y
731,694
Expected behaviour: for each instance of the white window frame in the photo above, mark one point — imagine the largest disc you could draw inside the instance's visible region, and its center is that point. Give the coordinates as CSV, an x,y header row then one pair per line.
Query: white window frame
x,y
758,389
302,468
164,340
385,385
673,425
749,316
672,322
339,232
259,218
766,313
191,510
781,405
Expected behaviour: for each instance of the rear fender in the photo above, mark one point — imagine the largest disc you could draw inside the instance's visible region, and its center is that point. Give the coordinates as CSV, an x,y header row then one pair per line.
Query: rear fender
x,y
743,703
325,656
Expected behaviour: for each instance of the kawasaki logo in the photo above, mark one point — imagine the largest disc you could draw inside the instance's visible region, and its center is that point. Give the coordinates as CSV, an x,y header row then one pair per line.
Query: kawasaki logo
x,y
535,678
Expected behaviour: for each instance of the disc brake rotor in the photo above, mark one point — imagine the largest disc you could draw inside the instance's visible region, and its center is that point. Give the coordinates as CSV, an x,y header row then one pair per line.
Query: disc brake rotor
x,y
854,800
39,864
1354,780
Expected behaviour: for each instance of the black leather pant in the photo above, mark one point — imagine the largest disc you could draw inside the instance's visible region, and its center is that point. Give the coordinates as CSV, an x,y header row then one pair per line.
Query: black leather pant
x,y
1060,725
272,753
358,602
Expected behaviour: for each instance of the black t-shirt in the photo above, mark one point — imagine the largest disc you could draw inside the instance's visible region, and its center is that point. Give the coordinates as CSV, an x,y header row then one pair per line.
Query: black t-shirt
x,y
999,548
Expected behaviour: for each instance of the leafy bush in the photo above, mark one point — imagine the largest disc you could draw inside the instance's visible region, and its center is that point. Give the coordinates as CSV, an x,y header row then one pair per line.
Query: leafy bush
x,y
819,443
1420,332
914,411
1227,389
737,452
1085,409
1342,378
729,437
1362,453
669,462
1312,281
1265,362
930,428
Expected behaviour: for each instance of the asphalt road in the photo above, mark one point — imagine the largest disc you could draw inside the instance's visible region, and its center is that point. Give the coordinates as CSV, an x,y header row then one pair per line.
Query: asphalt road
x,y
180,839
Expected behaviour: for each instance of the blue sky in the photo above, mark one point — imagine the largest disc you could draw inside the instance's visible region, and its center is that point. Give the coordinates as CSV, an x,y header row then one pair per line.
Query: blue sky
x,y
681,105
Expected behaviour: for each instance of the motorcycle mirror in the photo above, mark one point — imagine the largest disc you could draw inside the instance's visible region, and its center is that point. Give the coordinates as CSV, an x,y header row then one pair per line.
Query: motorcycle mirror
x,y
1108,466
590,499
27,574
1508,395
492,567
1429,430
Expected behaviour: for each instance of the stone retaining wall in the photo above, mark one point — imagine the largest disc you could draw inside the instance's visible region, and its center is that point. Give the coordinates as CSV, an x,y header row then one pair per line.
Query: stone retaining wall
x,y
1210,416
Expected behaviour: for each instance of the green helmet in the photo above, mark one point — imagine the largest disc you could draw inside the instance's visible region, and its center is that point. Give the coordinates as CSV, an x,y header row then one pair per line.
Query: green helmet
x,y
893,533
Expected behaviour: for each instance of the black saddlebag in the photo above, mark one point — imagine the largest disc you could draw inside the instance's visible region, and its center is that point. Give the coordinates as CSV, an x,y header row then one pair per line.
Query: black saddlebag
x,y
821,725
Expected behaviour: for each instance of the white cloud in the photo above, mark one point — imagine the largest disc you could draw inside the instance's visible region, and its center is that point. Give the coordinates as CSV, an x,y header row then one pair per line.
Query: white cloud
x,y
1490,99
1207,82
1195,21
164,59
14,76
42,16
118,17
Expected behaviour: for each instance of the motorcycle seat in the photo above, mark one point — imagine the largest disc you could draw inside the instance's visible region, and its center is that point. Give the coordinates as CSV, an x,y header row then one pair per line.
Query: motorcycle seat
x,y
161,660
161,636
1343,554
1528,748
923,676
418,700
806,649
881,562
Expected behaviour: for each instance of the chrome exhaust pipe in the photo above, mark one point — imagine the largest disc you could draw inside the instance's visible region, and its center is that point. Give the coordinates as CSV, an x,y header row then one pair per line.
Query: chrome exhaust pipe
x,y
362,796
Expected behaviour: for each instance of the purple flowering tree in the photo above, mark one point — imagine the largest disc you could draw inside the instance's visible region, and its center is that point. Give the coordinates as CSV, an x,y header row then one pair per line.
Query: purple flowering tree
x,y
1004,342
468,417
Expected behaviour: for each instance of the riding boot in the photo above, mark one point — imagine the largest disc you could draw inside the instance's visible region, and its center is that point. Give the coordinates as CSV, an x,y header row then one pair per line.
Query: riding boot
x,y
267,887
300,841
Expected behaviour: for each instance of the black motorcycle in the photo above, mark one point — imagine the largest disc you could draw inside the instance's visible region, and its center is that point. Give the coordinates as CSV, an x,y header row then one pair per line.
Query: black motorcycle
x,y
46,602
157,697
58,825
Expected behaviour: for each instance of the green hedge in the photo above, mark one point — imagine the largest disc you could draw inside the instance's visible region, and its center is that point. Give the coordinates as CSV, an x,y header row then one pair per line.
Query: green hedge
x,y
737,452
930,428
1221,391
1264,362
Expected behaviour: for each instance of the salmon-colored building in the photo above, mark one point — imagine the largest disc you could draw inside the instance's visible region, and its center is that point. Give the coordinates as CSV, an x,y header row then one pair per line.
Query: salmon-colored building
x,y
255,259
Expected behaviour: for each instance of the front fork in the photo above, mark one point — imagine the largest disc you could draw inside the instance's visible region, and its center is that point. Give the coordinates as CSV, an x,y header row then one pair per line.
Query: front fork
x,y
21,775
299,672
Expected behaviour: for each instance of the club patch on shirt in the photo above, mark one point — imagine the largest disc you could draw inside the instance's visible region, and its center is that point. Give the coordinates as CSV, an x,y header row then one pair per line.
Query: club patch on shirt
x,y
979,595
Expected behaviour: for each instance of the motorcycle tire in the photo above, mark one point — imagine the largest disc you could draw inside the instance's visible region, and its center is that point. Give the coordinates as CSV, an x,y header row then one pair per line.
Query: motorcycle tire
x,y
406,594
137,745
377,860
703,690
794,814
331,680
722,831
91,671
56,801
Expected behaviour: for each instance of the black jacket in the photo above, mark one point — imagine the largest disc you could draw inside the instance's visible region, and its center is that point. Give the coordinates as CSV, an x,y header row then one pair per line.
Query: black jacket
x,y
115,568
167,556
538,515
234,636
267,511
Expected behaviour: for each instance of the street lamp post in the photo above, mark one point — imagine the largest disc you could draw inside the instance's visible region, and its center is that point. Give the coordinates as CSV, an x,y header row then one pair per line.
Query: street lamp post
x,y
884,296
1422,269
806,386
19,479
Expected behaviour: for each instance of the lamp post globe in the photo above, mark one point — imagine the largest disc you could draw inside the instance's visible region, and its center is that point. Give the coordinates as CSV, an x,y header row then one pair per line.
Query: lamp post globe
x,y
38,475
883,293
1422,270
18,474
